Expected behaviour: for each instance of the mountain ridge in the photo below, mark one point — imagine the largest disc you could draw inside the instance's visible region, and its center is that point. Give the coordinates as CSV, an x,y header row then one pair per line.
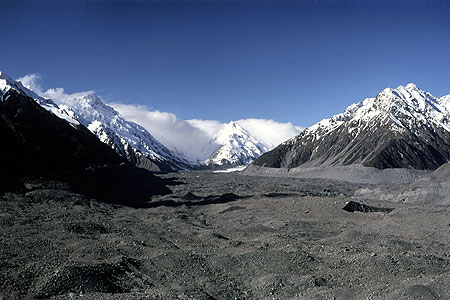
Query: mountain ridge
x,y
399,128
7,83
37,144
127,138
135,143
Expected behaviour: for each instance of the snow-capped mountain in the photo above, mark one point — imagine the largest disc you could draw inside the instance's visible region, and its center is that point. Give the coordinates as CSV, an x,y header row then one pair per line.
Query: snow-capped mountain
x,y
6,84
231,144
128,139
38,144
236,147
403,127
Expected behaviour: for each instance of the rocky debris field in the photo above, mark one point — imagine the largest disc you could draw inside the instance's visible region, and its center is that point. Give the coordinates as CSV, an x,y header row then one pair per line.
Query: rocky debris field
x,y
222,236
352,173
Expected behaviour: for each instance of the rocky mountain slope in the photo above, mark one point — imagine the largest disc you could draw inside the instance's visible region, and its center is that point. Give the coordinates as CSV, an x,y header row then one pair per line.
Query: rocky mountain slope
x,y
233,145
236,147
128,139
399,128
37,143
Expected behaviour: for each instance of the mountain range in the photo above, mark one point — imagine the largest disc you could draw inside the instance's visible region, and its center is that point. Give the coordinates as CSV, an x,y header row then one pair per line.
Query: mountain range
x,y
128,139
43,142
232,145
404,127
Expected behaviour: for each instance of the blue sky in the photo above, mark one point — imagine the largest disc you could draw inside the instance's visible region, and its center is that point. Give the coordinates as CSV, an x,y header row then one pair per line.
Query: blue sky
x,y
291,61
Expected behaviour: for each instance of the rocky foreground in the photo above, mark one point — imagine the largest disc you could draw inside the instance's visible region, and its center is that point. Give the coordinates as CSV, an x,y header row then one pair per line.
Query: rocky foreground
x,y
222,236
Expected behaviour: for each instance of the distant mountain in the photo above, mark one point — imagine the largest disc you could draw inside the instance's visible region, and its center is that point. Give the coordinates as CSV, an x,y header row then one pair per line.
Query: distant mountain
x,y
399,128
38,142
128,139
236,147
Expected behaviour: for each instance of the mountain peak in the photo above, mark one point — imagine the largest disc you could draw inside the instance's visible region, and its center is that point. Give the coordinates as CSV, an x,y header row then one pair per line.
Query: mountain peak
x,y
238,147
7,83
93,99
231,130
233,125
409,98
403,127
412,86
410,90
406,91
5,76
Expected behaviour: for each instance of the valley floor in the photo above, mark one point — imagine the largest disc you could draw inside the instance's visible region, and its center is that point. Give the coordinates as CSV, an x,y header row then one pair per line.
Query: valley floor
x,y
222,236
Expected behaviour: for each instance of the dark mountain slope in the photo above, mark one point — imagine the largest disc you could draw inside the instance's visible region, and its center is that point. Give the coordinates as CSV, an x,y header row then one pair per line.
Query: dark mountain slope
x,y
37,143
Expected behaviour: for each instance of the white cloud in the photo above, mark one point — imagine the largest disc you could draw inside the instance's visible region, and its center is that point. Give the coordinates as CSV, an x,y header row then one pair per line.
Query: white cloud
x,y
270,132
210,127
58,95
193,137
173,132
32,82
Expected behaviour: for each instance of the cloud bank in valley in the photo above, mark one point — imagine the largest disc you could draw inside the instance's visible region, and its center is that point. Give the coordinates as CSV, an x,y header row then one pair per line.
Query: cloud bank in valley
x,y
193,138
174,133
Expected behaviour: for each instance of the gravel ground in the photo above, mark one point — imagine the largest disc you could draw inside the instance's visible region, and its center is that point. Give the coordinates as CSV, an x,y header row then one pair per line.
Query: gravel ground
x,y
222,236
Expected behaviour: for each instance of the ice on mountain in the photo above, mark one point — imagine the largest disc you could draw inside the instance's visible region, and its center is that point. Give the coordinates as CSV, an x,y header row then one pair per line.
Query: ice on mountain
x,y
7,83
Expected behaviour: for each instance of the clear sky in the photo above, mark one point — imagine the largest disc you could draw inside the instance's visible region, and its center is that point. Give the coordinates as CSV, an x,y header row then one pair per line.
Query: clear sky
x,y
291,61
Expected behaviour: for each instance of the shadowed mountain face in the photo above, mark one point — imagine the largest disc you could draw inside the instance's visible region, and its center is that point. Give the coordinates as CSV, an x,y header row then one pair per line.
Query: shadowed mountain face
x,y
400,128
36,142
